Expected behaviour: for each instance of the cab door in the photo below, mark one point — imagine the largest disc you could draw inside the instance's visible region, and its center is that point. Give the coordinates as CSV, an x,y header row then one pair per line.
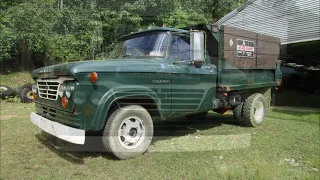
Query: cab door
x,y
193,89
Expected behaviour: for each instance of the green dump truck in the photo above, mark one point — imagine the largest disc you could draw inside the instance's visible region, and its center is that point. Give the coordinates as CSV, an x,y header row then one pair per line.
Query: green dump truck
x,y
154,74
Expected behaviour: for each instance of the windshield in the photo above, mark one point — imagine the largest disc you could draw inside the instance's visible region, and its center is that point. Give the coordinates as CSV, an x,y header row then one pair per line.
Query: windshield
x,y
147,45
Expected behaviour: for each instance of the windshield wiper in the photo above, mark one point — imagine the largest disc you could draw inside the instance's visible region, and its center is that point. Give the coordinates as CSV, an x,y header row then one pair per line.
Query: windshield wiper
x,y
128,55
188,61
195,63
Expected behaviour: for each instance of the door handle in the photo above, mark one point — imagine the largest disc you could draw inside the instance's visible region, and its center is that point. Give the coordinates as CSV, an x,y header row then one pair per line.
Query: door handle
x,y
211,67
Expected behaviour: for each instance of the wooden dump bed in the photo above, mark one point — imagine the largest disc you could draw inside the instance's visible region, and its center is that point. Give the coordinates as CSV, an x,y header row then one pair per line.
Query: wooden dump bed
x,y
247,59
248,50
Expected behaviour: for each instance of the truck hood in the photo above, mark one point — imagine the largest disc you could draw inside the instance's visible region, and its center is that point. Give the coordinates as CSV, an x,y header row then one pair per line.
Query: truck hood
x,y
112,65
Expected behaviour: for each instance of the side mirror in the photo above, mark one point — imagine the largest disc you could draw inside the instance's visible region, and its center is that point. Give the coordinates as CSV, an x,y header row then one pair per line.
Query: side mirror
x,y
197,48
198,64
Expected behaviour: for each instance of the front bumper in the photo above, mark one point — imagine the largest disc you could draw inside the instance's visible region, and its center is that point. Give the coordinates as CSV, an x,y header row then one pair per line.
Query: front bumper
x,y
70,134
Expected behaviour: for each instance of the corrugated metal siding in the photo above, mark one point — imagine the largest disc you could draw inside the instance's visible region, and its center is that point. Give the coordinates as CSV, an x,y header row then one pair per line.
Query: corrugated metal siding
x,y
290,20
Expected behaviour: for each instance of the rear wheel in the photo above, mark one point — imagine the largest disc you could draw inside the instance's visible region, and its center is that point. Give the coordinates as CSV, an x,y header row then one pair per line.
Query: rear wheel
x,y
238,112
128,132
254,110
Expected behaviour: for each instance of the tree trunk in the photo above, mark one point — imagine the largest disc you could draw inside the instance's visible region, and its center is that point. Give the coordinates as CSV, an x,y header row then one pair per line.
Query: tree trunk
x,y
25,61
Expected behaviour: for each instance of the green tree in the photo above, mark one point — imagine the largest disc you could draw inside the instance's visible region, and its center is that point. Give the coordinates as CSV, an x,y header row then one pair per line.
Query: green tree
x,y
69,30
218,9
182,18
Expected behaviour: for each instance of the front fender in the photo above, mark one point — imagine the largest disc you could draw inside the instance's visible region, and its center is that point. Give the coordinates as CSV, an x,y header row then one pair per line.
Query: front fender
x,y
116,93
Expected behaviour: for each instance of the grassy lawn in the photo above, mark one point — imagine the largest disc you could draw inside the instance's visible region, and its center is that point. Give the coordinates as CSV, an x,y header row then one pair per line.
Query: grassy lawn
x,y
286,146
15,79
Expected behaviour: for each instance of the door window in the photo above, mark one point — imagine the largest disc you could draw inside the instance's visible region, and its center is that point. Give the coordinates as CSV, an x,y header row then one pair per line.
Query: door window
x,y
180,48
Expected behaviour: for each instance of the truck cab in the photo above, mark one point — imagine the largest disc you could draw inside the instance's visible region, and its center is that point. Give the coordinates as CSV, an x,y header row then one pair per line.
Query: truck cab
x,y
155,74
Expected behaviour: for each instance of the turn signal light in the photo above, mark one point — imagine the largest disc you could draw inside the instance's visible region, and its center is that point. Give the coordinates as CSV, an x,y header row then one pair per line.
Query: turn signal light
x,y
64,102
279,83
34,96
94,77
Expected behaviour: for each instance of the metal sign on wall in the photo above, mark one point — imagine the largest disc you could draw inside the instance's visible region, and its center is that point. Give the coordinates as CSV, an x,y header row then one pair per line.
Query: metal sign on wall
x,y
245,48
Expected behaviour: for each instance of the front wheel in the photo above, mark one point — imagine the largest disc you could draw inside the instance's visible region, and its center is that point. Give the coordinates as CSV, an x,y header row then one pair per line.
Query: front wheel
x,y
128,132
254,110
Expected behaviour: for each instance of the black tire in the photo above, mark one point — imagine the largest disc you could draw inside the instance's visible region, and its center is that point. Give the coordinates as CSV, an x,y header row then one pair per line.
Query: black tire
x,y
6,91
26,94
18,89
114,142
254,105
198,116
238,113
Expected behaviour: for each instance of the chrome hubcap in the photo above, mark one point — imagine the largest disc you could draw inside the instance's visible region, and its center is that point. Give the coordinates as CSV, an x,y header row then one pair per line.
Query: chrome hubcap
x,y
30,95
131,132
258,112
3,89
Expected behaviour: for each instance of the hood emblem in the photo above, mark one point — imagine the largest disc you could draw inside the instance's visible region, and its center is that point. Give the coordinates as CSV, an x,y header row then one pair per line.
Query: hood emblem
x,y
161,81
45,71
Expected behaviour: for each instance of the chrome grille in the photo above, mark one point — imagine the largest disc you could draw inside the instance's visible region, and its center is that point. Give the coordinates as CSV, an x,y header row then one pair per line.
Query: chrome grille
x,y
48,89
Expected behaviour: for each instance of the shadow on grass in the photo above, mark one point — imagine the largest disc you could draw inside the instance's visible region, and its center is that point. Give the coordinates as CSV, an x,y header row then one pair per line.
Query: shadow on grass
x,y
183,126
72,152
163,130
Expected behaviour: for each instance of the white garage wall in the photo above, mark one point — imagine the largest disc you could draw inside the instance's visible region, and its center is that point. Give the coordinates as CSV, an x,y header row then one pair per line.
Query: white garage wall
x,y
290,20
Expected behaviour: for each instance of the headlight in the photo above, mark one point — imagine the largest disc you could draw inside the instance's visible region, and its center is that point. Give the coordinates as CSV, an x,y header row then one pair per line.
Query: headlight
x,y
69,90
61,89
34,88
